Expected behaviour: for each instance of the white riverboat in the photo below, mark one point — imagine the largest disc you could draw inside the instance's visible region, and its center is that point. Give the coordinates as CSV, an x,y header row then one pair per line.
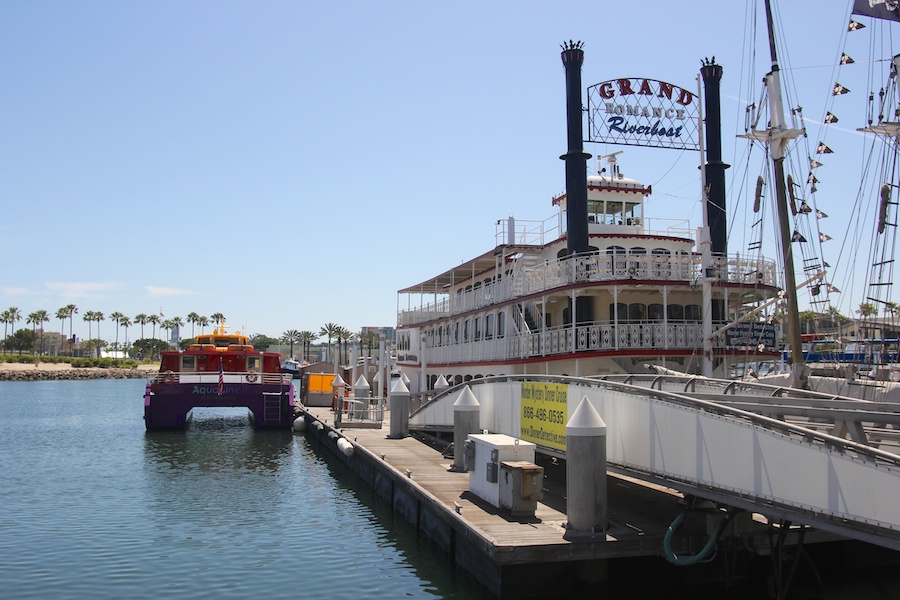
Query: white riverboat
x,y
639,291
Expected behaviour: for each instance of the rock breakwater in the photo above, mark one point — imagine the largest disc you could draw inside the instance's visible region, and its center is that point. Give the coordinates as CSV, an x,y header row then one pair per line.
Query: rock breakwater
x,y
67,374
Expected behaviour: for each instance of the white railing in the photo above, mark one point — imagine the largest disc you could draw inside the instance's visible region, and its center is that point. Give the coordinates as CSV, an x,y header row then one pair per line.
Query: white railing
x,y
594,268
594,337
228,377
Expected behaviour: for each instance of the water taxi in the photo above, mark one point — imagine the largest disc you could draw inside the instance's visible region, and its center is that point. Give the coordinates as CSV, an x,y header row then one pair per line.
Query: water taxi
x,y
219,370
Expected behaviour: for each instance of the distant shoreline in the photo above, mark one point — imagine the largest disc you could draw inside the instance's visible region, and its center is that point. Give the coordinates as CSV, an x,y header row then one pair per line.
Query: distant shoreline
x,y
65,371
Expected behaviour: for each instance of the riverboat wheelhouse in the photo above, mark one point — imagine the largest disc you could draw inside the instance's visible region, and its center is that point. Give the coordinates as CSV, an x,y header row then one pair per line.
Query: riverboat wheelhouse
x,y
219,370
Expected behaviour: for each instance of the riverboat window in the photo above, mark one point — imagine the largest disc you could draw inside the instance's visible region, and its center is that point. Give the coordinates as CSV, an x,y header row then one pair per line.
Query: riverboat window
x,y
675,312
655,312
621,308
637,312
477,329
692,312
466,329
188,363
489,327
253,363
501,324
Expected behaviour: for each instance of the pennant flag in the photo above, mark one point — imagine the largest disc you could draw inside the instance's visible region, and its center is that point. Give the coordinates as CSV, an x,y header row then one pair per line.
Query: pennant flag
x,y
804,208
820,214
855,25
879,10
811,178
838,89
845,59
830,118
221,389
814,164
797,237
823,149
826,265
823,237
813,189
831,288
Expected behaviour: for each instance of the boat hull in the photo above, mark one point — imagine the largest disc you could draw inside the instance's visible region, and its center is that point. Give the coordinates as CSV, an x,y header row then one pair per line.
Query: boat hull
x,y
168,405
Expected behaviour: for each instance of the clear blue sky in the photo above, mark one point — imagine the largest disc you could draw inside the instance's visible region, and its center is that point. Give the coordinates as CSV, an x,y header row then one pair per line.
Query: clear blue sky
x,y
292,164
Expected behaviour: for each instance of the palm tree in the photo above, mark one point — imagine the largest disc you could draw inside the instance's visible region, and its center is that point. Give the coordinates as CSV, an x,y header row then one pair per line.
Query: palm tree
x,y
34,319
892,308
218,319
193,318
330,330
155,321
126,323
117,317
141,320
72,310
88,317
203,322
307,338
14,315
4,316
344,336
177,322
291,336
167,326
98,316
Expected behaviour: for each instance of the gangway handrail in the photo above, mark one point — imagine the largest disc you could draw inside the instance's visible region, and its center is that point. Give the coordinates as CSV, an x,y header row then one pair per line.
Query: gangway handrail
x,y
791,430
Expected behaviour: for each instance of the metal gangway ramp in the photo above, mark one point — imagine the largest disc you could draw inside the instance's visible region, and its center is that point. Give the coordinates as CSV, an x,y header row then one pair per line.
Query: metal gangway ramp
x,y
713,450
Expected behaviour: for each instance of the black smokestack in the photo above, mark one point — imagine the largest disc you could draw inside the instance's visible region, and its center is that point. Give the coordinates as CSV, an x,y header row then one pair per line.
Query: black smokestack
x,y
715,168
576,157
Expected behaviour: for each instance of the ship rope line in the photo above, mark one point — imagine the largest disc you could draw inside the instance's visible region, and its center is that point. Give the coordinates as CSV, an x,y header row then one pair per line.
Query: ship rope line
x,y
866,45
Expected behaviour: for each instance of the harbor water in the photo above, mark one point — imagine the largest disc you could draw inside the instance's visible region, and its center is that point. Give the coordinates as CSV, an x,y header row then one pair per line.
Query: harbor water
x,y
92,506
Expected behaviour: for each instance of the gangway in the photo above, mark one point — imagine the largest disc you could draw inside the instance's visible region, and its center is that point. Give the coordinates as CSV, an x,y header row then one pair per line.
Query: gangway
x,y
706,443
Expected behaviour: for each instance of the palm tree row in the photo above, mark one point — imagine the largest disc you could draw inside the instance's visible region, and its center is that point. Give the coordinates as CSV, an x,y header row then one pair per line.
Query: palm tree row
x,y
37,319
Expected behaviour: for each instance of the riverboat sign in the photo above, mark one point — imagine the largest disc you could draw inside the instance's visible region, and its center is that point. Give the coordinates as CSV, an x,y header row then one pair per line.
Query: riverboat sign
x,y
643,112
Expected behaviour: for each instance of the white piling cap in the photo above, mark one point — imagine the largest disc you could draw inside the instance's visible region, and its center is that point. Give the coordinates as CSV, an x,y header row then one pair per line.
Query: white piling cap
x,y
441,383
467,402
404,378
338,381
585,421
399,388
361,383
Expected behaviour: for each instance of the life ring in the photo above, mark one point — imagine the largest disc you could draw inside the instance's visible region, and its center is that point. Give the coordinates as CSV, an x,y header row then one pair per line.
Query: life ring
x,y
169,377
252,376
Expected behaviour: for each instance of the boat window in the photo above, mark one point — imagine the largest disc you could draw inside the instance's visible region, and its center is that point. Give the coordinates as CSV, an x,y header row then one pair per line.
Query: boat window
x,y
655,312
489,326
477,328
188,363
466,329
692,312
637,312
501,324
622,310
253,363
676,312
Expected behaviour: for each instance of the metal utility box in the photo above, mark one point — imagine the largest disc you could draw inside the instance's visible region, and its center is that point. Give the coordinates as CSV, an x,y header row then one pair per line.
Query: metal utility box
x,y
489,451
521,486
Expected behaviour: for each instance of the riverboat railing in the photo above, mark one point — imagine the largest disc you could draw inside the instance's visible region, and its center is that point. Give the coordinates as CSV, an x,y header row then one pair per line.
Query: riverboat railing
x,y
228,377
595,268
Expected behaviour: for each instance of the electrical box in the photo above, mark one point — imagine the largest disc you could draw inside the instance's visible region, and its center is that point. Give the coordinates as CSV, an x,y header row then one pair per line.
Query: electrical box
x,y
489,452
521,486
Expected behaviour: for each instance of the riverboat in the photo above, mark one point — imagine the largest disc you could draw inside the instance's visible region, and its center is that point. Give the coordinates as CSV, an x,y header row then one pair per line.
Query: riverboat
x,y
219,370
638,294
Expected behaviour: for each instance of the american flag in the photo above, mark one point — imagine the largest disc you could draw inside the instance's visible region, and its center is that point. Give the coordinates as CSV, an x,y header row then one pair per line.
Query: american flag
x,y
221,378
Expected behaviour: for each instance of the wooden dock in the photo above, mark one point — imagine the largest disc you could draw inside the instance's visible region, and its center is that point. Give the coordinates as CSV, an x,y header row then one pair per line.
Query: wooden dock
x,y
533,557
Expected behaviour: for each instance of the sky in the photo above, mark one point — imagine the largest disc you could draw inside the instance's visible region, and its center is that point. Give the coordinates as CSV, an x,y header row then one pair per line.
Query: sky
x,y
292,164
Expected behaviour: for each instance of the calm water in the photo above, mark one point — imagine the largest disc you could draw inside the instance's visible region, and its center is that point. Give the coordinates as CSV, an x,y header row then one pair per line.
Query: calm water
x,y
92,506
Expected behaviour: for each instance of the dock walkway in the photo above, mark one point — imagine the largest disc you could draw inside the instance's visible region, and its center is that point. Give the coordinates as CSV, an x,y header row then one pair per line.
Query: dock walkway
x,y
502,551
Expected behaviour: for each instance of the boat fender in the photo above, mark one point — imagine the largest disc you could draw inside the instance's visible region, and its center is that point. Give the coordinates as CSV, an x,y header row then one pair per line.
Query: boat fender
x,y
169,377
317,425
333,435
299,424
345,447
252,376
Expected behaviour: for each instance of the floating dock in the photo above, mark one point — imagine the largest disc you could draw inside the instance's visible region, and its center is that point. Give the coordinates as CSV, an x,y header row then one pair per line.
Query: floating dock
x,y
522,557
